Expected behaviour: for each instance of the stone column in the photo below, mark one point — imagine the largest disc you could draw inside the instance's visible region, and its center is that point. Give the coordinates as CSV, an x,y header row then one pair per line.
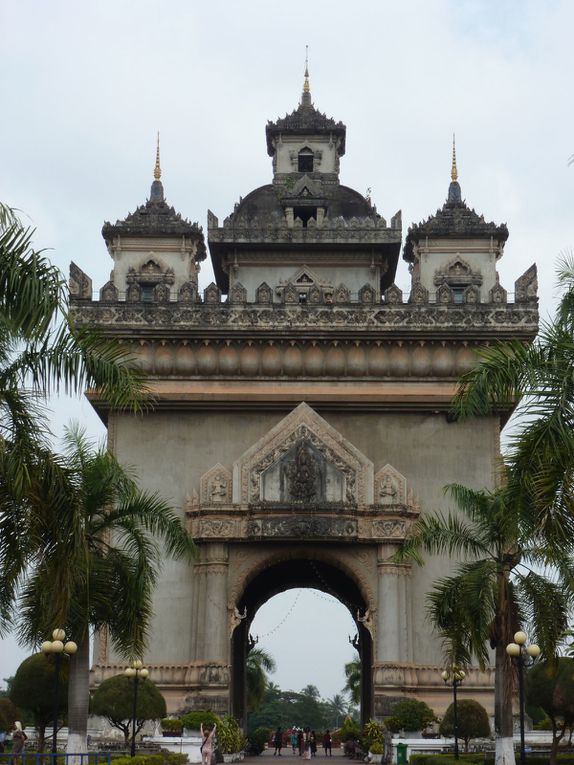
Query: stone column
x,y
392,624
215,627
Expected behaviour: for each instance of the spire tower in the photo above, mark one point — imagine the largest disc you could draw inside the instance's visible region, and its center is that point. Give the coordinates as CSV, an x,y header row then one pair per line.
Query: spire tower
x,y
306,98
156,194
454,193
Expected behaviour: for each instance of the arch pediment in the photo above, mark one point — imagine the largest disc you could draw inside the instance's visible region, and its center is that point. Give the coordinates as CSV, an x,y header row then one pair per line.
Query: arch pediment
x,y
303,460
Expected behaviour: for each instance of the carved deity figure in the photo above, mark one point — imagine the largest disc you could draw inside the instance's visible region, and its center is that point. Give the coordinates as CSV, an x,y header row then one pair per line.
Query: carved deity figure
x,y
218,491
302,475
388,491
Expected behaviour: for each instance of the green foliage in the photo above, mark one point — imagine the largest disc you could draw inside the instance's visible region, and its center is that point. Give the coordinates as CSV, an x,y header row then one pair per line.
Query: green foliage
x,y
113,699
550,685
163,758
33,689
171,724
258,739
373,733
410,714
230,736
350,729
259,663
472,719
194,720
376,747
544,724
287,708
353,679
482,758
8,714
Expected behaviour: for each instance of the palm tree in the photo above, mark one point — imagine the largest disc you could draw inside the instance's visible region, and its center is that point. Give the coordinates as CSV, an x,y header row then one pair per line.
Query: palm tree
x,y
540,459
495,591
337,708
91,557
259,663
353,675
41,352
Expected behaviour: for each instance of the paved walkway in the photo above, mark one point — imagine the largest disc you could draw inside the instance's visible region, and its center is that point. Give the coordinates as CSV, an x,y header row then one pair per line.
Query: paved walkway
x,y
288,756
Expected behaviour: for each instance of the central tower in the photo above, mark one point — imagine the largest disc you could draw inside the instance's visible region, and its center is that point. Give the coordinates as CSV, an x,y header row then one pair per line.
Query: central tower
x,y
301,408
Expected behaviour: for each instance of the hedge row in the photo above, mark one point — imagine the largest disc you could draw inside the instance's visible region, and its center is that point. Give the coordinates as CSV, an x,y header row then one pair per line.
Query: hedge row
x,y
163,758
484,758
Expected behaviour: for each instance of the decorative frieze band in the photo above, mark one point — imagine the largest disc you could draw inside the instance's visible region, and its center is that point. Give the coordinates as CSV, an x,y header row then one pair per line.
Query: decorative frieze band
x,y
304,359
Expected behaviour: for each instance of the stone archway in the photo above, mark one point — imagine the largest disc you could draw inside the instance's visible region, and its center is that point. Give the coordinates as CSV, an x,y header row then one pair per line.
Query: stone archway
x,y
303,568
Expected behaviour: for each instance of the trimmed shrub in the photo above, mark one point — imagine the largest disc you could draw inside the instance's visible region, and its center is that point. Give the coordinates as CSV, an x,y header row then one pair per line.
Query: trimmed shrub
x,y
193,720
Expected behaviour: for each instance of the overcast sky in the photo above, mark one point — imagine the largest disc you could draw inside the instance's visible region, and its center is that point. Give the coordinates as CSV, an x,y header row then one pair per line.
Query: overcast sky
x,y
85,86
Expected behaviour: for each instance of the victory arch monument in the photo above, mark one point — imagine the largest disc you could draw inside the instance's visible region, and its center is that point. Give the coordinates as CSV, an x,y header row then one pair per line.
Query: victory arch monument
x,y
301,419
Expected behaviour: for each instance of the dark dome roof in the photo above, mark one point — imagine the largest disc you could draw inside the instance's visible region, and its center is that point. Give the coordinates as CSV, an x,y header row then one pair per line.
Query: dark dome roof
x,y
265,203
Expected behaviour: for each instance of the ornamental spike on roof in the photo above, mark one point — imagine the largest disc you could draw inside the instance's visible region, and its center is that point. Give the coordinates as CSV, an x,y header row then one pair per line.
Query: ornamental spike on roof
x,y
155,218
454,220
305,119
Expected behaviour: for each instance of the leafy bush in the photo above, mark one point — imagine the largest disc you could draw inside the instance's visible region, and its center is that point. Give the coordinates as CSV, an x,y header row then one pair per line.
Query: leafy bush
x,y
171,724
410,714
376,748
257,740
472,721
545,724
193,720
350,729
373,733
113,699
230,736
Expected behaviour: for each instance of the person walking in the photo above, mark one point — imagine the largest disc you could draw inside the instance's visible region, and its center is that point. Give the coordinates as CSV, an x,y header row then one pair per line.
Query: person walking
x,y
327,744
294,740
300,742
278,742
207,744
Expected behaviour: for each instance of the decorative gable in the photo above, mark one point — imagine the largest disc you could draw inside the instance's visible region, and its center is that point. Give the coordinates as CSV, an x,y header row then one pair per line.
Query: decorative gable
x,y
303,460
215,486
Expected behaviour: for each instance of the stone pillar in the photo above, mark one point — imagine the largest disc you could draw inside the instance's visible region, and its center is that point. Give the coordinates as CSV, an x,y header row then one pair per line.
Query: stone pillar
x,y
392,621
215,627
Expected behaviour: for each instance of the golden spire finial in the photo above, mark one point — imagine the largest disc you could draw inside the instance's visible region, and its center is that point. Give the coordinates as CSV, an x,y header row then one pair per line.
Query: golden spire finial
x,y
453,170
157,168
306,88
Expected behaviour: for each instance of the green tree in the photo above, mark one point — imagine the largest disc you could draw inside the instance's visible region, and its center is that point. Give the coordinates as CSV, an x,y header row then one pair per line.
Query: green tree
x,y
113,699
550,685
338,707
488,598
410,714
353,679
540,377
8,714
95,545
259,663
33,688
472,721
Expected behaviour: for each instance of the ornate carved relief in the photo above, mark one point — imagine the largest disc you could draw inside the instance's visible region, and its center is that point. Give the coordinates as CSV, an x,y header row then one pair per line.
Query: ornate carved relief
x,y
457,273
264,294
187,293
526,286
367,295
304,426
134,293
238,293
393,295
444,294
303,527
215,486
471,294
390,487
80,285
212,294
498,294
342,294
109,293
419,294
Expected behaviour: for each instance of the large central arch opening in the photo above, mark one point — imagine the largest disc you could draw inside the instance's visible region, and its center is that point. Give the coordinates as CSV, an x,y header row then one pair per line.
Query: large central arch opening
x,y
304,572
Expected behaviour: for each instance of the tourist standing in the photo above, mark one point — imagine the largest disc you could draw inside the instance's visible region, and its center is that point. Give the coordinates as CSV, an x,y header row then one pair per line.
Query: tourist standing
x,y
207,744
294,740
18,738
300,742
313,743
278,742
327,742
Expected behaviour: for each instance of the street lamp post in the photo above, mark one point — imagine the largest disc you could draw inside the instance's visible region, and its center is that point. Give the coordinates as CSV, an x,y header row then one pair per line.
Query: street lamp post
x,y
522,654
58,648
454,676
136,671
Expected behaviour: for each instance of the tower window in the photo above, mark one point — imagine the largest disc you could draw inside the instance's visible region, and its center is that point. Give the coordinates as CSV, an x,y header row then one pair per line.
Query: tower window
x,y
305,161
305,213
147,292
